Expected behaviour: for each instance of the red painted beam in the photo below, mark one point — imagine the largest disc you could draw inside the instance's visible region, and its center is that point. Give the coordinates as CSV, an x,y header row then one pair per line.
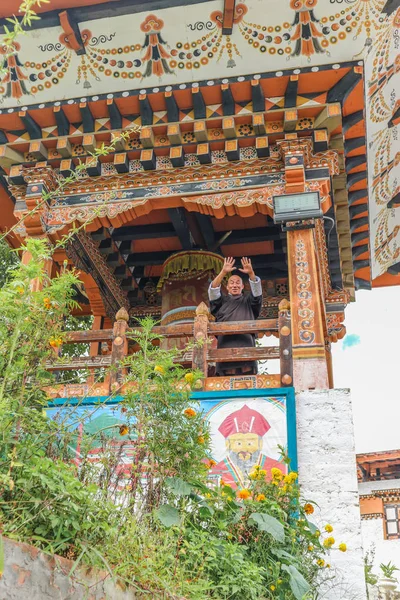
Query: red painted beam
x,y
229,13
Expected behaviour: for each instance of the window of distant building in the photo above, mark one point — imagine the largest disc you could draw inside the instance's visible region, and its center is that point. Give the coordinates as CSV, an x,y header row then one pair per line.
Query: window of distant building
x,y
392,519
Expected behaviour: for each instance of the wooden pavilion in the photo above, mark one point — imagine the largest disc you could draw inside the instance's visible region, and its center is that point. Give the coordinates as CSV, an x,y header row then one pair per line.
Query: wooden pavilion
x,y
195,178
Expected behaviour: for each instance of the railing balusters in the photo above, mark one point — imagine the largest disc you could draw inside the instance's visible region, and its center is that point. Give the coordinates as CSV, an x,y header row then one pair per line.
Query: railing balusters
x,y
119,347
202,330
200,338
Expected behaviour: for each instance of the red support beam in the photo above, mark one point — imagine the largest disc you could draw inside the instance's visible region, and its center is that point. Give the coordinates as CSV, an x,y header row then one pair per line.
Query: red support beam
x,y
229,12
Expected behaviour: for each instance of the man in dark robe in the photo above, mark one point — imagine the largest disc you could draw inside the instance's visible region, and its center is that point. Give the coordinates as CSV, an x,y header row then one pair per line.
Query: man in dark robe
x,y
236,306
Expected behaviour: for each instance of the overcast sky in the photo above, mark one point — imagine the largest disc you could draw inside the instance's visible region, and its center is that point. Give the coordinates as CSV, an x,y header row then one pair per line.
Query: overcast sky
x,y
370,367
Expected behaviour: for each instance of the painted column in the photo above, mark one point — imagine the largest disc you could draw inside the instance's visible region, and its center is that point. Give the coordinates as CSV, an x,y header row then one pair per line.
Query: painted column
x,y
40,182
184,283
310,370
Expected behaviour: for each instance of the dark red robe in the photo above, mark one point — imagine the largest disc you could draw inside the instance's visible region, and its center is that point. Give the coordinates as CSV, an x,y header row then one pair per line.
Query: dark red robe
x,y
245,307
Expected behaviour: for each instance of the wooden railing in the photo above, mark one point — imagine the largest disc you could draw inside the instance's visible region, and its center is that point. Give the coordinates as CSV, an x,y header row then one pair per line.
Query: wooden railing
x,y
201,332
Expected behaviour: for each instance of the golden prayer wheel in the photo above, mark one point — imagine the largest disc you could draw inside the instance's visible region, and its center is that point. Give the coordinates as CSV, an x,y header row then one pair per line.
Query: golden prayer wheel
x,y
184,283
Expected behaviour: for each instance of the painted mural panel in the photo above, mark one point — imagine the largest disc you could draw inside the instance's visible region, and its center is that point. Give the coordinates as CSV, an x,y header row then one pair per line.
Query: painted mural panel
x,y
248,429
185,45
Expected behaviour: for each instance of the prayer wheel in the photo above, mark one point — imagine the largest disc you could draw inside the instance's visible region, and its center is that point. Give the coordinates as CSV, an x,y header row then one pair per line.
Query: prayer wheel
x,y
184,284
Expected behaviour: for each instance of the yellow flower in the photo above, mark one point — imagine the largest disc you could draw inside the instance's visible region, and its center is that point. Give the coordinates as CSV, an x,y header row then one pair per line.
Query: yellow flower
x,y
189,378
159,369
308,509
328,543
317,534
260,497
20,290
310,548
291,477
211,463
276,473
253,475
189,413
47,303
201,439
123,429
272,587
262,473
279,581
320,562
342,547
244,494
328,566
328,528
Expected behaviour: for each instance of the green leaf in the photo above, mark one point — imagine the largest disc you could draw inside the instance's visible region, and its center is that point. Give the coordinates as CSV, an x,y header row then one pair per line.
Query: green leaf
x,y
168,515
178,486
298,584
282,554
312,527
269,524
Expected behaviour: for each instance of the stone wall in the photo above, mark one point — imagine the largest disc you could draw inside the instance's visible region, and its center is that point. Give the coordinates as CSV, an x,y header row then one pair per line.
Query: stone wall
x,y
32,575
328,476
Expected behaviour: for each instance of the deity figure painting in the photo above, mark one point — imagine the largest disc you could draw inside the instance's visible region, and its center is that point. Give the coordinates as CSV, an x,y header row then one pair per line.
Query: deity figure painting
x,y
245,438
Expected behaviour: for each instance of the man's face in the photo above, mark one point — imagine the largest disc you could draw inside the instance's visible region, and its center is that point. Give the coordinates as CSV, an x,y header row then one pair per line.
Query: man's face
x,y
235,285
244,445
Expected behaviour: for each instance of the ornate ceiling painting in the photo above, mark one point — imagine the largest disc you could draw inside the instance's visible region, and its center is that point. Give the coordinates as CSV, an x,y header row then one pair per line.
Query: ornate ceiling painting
x,y
183,48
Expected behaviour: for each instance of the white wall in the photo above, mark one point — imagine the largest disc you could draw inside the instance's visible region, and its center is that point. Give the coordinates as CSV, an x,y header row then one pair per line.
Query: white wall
x,y
385,550
328,476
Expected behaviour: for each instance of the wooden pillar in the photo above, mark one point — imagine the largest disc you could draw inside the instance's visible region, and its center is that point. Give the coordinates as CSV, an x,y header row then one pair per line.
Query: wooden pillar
x,y
200,337
328,353
37,284
310,369
119,348
285,344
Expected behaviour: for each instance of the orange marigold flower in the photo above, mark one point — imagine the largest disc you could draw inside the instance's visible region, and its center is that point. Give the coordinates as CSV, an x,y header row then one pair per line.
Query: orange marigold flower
x,y
55,342
260,497
123,429
308,509
244,494
189,413
47,303
201,439
211,463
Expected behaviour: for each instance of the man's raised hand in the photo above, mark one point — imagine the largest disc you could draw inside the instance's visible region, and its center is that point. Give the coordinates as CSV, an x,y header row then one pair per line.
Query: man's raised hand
x,y
247,268
229,265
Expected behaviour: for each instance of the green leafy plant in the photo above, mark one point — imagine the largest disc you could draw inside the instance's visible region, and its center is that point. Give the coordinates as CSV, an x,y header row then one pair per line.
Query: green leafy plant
x,y
388,570
370,577
157,524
